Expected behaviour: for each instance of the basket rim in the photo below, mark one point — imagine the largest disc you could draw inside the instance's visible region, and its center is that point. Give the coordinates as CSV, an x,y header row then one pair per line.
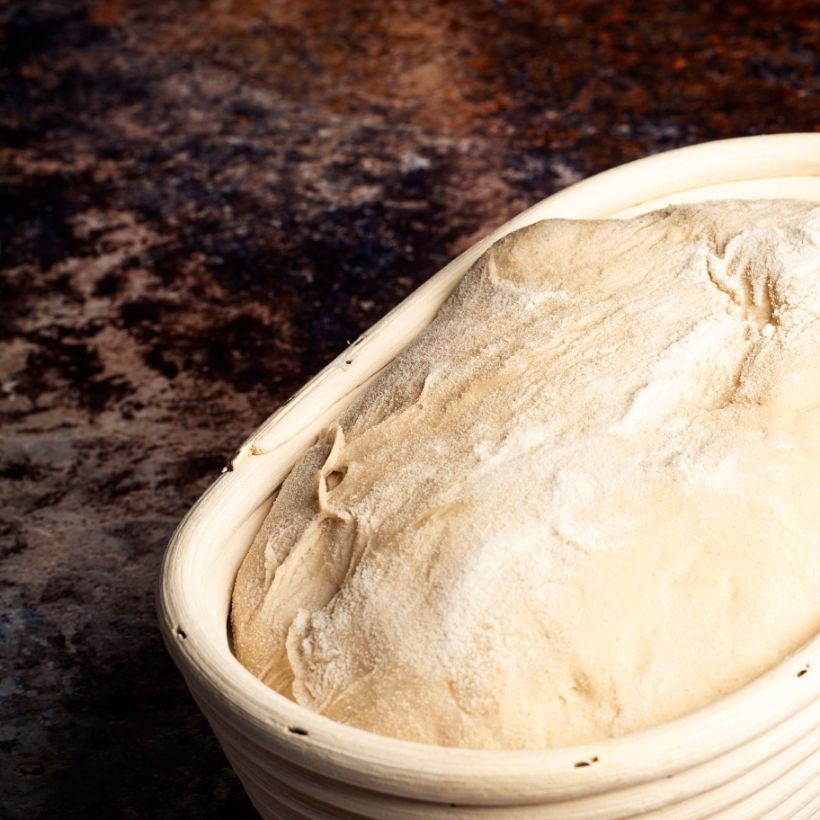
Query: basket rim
x,y
222,685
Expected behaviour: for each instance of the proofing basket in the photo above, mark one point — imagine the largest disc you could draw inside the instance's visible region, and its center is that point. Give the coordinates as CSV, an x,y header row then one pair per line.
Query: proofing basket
x,y
753,754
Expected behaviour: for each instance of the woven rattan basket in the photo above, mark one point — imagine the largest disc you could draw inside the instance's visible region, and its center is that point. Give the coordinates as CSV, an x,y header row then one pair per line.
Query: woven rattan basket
x,y
754,754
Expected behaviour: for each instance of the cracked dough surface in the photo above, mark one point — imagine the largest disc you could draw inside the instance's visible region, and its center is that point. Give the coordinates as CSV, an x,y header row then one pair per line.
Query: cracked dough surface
x,y
586,500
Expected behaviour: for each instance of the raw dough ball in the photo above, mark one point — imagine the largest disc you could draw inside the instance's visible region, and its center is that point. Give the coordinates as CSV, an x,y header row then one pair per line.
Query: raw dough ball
x,y
585,501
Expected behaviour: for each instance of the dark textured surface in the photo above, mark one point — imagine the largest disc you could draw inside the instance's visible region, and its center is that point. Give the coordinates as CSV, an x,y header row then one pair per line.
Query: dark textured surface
x,y
200,203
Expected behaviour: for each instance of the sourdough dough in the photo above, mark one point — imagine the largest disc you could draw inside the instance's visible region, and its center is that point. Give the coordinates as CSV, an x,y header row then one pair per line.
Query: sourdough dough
x,y
585,501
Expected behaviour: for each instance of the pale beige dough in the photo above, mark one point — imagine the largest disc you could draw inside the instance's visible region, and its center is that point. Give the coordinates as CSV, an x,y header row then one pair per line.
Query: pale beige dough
x,y
585,501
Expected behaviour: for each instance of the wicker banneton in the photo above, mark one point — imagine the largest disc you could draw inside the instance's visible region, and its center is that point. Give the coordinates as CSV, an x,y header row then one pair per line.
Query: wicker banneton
x,y
753,754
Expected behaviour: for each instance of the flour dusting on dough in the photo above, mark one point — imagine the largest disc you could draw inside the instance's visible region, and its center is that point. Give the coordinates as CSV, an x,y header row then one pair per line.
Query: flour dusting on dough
x,y
585,501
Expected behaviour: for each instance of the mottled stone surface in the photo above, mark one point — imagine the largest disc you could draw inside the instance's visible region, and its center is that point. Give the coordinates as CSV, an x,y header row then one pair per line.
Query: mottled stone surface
x,y
201,201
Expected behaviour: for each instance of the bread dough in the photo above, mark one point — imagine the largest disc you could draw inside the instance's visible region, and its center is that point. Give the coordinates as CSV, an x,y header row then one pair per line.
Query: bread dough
x,y
586,500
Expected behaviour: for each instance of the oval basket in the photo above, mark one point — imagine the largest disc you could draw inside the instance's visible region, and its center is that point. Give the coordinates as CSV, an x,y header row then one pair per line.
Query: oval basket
x,y
753,754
